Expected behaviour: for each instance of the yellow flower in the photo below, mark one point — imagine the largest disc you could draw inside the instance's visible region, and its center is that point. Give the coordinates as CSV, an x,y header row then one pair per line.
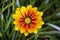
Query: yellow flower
x,y
27,20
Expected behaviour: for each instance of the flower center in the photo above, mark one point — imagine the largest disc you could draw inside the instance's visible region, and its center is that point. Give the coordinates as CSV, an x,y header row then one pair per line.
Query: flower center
x,y
27,20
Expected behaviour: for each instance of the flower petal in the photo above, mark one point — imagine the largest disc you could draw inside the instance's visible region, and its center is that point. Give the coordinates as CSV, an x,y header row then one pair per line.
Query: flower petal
x,y
23,11
16,22
39,19
17,11
29,7
39,13
22,29
30,30
26,33
15,16
41,23
38,26
34,9
17,28
29,10
35,31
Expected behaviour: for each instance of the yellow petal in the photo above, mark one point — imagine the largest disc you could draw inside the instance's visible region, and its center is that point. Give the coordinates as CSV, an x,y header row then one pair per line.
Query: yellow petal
x,y
41,22
23,11
38,26
15,16
35,31
17,11
35,9
22,30
17,28
16,23
39,13
26,33
29,7
39,19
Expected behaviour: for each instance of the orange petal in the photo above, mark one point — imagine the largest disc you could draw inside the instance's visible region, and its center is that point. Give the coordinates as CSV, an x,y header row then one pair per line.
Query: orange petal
x,y
30,30
34,10
38,26
23,11
29,10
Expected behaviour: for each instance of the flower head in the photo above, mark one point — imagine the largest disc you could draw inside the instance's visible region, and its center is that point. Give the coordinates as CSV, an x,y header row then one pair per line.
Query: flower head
x,y
27,20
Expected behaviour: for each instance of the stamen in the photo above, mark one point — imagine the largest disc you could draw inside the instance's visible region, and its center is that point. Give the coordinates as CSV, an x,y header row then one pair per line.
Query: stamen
x,y
27,20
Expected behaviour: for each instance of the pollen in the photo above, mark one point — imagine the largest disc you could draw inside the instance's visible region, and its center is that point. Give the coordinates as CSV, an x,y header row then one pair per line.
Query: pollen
x,y
27,20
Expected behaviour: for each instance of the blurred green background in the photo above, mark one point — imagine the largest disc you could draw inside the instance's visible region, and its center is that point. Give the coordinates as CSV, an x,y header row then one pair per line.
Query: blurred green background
x,y
51,17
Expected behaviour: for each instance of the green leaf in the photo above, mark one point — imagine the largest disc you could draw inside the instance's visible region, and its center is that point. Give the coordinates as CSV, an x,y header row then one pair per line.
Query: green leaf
x,y
50,33
32,2
13,36
1,34
9,5
36,37
8,23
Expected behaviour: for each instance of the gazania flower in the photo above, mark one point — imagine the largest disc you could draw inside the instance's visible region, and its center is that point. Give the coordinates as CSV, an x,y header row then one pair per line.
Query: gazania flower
x,y
27,20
